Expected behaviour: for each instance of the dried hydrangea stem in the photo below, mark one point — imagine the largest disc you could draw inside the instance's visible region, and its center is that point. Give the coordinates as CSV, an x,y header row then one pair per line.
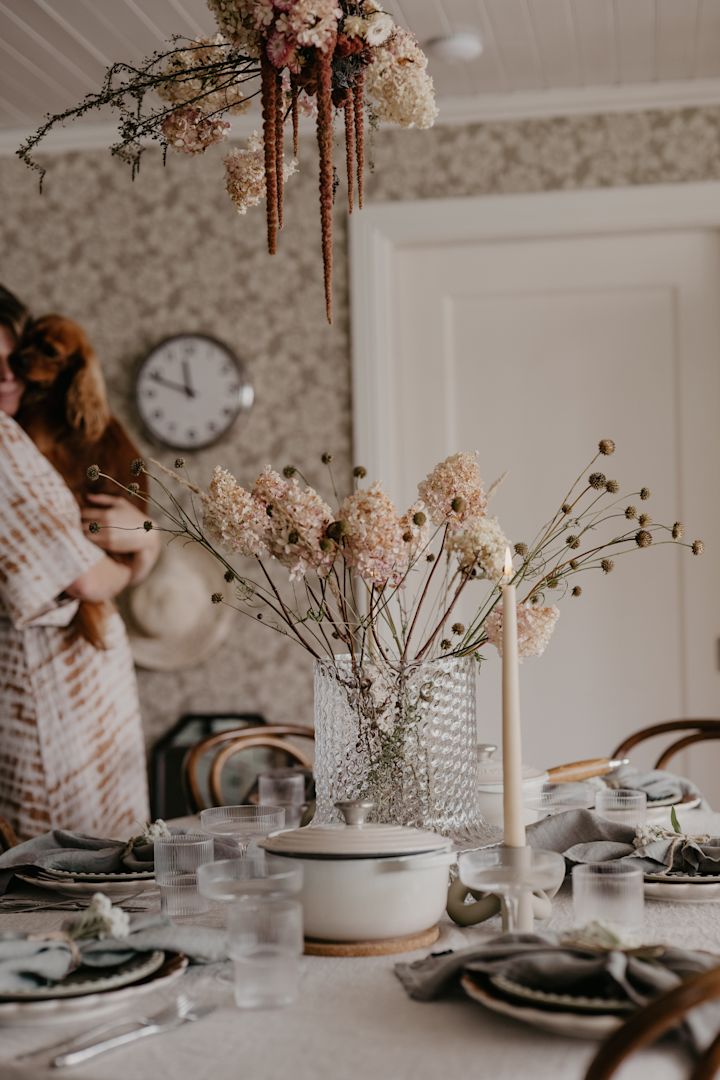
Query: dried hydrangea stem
x,y
350,152
269,87
359,107
294,96
325,139
279,147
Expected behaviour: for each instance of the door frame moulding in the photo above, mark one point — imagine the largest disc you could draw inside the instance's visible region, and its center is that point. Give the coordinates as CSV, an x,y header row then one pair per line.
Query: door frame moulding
x,y
382,229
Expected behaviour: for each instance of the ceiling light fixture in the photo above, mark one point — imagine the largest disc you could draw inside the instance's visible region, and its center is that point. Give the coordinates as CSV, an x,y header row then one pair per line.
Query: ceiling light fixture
x,y
461,47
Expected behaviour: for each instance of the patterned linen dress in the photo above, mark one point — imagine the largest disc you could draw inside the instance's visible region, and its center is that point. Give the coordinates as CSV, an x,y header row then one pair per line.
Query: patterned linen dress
x,y
71,747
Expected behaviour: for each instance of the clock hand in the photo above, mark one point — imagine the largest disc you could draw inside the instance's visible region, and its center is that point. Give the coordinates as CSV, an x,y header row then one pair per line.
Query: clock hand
x,y
156,377
187,379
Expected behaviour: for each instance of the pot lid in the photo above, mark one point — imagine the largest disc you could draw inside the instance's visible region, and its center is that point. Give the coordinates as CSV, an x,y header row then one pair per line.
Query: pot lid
x,y
355,839
490,768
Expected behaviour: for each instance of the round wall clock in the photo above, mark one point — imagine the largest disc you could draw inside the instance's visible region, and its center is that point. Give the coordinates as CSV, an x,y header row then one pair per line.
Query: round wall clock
x,y
190,390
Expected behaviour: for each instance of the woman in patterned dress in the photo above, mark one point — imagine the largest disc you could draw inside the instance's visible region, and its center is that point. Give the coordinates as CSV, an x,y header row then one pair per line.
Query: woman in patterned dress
x,y
71,745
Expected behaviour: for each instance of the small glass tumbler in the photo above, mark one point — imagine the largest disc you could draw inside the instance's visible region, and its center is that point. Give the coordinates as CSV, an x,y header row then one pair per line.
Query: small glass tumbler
x,y
286,788
177,859
611,894
265,938
623,805
559,798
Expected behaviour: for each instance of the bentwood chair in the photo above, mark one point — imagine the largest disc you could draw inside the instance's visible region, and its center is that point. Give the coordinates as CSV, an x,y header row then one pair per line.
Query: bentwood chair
x,y
271,744
8,838
701,730
652,1021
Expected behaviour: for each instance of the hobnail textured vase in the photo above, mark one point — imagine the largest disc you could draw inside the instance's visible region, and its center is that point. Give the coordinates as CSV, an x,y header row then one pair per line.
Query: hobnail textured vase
x,y
405,738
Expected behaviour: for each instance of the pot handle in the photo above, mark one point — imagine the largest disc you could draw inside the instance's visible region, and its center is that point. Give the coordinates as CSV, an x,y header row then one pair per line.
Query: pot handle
x,y
417,862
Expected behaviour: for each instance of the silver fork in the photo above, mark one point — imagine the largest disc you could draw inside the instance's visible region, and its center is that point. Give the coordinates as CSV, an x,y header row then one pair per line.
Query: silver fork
x,y
133,1023
181,1012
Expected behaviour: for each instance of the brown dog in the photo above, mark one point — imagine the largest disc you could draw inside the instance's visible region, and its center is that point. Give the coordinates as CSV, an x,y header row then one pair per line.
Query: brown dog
x,y
65,412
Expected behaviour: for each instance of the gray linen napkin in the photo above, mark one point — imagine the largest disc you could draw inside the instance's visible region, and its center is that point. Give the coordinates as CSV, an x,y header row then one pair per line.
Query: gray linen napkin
x,y
29,960
63,850
656,784
544,961
584,837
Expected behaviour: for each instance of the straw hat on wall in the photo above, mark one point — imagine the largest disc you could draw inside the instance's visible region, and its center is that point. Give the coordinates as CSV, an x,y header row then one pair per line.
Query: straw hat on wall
x,y
170,618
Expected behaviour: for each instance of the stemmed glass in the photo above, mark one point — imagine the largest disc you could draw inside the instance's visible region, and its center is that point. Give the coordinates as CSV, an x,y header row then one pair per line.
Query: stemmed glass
x,y
235,827
510,873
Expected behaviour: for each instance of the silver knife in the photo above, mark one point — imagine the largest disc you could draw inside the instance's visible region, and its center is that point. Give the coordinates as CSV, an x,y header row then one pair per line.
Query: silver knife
x,y
157,1026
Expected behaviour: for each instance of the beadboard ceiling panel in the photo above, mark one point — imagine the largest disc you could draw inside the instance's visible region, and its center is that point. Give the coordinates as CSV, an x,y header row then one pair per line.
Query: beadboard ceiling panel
x,y
539,56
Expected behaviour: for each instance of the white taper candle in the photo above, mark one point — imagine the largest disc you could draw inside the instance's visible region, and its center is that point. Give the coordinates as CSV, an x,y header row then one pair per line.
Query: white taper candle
x,y
512,738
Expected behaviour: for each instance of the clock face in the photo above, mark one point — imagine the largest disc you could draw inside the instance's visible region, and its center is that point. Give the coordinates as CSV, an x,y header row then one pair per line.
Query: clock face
x,y
190,390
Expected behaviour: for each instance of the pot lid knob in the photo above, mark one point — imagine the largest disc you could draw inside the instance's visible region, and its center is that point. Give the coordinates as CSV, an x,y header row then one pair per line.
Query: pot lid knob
x,y
485,751
355,810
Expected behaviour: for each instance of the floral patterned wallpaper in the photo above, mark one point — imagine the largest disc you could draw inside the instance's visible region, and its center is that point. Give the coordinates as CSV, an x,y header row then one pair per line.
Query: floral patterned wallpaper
x,y
137,262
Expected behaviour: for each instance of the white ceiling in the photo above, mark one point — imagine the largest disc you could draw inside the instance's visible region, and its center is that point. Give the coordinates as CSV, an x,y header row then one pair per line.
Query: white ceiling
x,y
540,56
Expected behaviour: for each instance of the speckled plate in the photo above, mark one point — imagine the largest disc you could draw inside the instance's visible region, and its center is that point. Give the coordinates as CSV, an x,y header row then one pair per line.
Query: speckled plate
x,y
88,980
685,891
58,1010
569,1002
127,886
572,1024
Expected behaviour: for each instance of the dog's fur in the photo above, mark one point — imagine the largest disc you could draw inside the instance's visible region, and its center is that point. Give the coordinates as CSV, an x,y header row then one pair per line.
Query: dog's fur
x,y
65,412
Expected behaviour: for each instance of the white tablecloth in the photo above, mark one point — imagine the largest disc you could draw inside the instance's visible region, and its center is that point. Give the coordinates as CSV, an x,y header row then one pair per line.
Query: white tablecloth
x,y
354,1019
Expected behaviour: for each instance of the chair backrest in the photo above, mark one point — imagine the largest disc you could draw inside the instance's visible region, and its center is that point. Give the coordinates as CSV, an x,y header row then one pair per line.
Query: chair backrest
x,y
646,1026
700,730
226,744
169,796
8,838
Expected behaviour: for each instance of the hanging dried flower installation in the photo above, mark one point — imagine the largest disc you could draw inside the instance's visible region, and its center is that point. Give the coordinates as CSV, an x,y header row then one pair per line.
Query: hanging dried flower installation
x,y
331,59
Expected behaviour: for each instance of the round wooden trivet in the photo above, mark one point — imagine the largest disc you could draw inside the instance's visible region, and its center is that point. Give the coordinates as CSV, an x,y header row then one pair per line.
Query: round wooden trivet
x,y
384,947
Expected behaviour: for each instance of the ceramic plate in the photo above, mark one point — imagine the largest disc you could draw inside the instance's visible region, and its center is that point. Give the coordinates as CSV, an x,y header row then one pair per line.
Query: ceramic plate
x,y
685,879
659,807
84,875
87,980
682,892
58,1010
571,1002
575,1025
71,887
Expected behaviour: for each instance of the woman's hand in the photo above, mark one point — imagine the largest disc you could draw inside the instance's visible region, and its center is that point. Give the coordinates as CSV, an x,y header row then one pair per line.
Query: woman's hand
x,y
121,529
122,532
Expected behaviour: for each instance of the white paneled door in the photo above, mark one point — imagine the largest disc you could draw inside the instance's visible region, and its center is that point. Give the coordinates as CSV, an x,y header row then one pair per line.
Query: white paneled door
x,y
528,328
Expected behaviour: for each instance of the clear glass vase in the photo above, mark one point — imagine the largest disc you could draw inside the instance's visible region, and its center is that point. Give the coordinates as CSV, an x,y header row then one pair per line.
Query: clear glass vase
x,y
403,737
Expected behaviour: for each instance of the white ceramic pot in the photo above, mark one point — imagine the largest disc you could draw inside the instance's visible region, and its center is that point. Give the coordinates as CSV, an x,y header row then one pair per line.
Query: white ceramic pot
x,y
365,882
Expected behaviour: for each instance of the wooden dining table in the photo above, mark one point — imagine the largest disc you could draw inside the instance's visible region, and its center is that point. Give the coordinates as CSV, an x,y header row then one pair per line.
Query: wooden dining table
x,y
353,1019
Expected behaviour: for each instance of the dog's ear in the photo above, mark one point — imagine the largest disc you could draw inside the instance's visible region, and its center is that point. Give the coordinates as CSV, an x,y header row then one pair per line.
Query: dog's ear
x,y
86,405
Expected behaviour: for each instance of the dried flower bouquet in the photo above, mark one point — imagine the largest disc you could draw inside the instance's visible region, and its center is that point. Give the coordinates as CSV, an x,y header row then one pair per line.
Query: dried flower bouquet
x,y
380,584
326,58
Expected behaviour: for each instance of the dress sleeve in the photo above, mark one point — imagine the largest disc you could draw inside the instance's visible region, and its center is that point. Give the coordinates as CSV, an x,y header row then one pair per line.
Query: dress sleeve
x,y
42,546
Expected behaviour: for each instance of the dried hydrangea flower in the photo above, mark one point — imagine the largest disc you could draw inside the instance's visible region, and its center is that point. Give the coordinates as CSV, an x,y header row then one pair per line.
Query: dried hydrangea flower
x,y
482,543
397,82
245,173
189,131
455,478
534,625
374,544
232,517
299,511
